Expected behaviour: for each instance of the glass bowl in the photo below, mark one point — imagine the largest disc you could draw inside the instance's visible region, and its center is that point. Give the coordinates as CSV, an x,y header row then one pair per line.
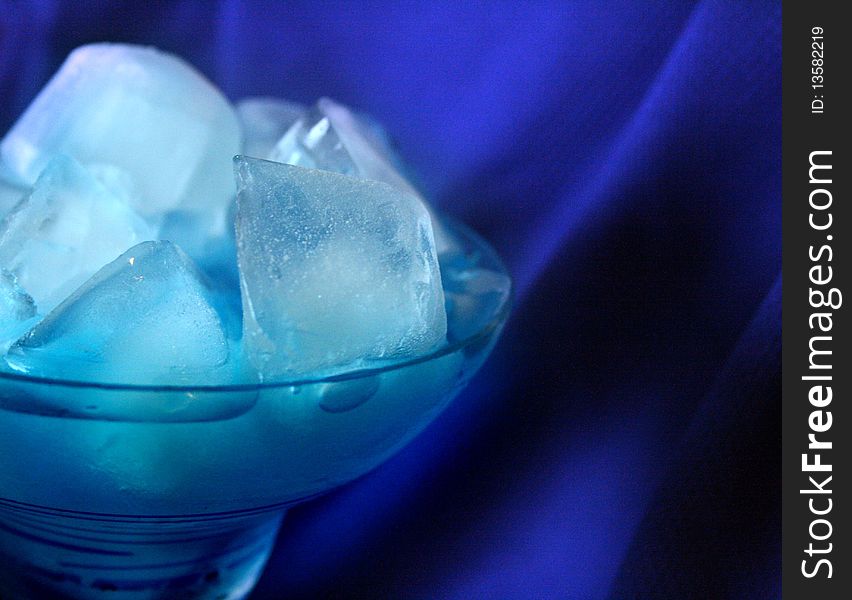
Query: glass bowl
x,y
147,492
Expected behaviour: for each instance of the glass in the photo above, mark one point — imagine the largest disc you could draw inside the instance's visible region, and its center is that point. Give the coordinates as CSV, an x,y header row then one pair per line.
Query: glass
x,y
178,492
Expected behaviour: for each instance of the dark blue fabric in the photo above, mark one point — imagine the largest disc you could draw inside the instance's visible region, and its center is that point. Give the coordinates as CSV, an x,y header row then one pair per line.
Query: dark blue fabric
x,y
624,158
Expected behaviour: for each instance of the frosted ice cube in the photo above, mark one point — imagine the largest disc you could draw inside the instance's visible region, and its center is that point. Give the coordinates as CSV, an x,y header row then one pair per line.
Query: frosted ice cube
x,y
335,271
264,121
146,112
145,318
333,138
68,227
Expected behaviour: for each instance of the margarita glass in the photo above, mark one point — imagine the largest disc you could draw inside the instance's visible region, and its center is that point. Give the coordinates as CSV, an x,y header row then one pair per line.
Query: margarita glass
x,y
148,492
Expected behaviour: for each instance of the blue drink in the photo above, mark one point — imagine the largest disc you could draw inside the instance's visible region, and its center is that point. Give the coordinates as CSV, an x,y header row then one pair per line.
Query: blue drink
x,y
143,492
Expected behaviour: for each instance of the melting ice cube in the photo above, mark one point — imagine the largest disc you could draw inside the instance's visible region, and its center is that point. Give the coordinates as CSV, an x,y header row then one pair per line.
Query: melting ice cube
x,y
147,113
68,227
335,271
145,318
264,121
333,138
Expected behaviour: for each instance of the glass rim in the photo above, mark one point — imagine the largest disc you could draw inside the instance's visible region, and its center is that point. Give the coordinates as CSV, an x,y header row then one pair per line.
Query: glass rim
x,y
498,318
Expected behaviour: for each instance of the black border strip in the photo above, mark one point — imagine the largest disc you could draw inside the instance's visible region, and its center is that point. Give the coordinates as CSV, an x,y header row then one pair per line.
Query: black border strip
x,y
816,335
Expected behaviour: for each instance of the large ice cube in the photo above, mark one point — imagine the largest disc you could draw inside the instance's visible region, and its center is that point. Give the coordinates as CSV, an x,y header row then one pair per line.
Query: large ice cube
x,y
68,227
145,112
333,138
335,271
264,121
145,318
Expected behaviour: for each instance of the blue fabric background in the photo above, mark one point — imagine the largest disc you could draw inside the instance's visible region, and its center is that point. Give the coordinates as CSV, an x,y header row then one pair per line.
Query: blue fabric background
x,y
624,157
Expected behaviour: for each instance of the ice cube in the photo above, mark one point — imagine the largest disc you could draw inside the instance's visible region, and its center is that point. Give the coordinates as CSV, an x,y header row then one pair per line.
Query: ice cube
x,y
10,195
68,227
17,310
333,138
264,121
15,303
335,271
12,190
215,256
145,112
145,318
